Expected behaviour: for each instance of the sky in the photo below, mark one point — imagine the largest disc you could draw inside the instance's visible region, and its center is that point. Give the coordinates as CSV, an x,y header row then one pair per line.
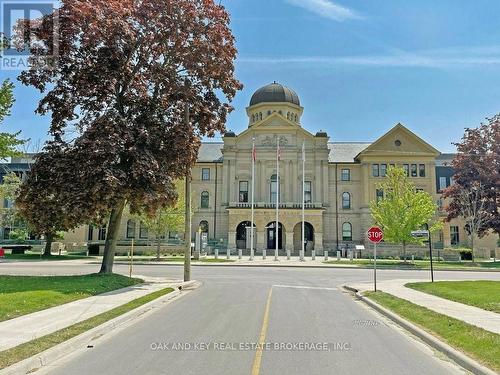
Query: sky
x,y
358,66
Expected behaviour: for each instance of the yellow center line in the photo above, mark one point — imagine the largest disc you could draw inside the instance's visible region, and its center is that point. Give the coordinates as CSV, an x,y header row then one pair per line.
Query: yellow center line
x,y
262,338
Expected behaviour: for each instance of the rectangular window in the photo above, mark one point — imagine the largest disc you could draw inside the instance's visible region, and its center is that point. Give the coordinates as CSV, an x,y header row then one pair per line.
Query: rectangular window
x,y
421,170
375,170
406,167
379,194
307,192
414,170
205,174
90,234
442,183
455,239
346,175
392,165
243,191
383,170
143,230
102,233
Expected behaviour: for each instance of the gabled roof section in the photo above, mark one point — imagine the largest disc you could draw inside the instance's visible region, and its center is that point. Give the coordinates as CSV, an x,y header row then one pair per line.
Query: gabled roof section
x,y
409,143
210,152
345,152
277,122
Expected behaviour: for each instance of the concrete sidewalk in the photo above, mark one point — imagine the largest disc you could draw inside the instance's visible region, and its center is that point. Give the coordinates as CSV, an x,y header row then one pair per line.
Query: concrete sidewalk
x,y
487,320
25,328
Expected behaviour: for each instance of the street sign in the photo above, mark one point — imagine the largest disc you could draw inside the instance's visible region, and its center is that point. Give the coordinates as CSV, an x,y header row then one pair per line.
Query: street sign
x,y
420,233
375,234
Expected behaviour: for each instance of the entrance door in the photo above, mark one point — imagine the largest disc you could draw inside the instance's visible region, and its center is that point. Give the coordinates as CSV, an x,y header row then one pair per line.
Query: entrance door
x,y
271,236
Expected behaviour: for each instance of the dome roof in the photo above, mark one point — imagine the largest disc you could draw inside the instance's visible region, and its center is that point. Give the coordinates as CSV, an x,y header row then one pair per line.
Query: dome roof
x,y
274,93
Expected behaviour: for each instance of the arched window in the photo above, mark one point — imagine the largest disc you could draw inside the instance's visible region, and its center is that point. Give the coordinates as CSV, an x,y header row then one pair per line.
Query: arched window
x,y
346,201
253,118
288,115
204,226
274,188
280,112
130,228
143,230
260,116
346,232
204,199
296,118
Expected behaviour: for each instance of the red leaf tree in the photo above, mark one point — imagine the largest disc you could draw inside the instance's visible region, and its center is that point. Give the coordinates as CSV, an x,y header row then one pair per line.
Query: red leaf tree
x,y
475,195
125,72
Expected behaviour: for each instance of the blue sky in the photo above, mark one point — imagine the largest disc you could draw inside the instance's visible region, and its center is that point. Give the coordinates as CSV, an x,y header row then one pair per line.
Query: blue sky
x,y
359,66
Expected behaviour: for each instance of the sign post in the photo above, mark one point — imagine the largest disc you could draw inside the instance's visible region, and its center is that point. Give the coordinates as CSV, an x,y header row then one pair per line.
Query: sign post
x,y
425,234
375,235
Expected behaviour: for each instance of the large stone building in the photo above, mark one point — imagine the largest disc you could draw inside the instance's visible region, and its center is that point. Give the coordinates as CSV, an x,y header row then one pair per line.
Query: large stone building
x,y
341,180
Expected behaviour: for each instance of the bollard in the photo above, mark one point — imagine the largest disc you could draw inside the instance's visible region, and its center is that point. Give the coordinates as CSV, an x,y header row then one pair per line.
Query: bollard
x,y
216,253
313,254
264,254
301,255
240,253
228,253
287,254
356,255
338,255
413,259
326,255
350,254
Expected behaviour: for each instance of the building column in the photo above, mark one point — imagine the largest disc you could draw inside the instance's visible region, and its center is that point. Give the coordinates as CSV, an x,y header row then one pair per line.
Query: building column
x,y
231,240
446,236
261,237
289,241
318,242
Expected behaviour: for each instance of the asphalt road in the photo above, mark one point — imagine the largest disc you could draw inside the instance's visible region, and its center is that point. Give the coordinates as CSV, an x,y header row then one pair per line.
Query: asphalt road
x,y
228,315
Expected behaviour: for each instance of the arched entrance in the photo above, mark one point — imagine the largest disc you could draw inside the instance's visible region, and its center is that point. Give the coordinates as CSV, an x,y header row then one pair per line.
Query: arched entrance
x,y
272,236
308,236
243,235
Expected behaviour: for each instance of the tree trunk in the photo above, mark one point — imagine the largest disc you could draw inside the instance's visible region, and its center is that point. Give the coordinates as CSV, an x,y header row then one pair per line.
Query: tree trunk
x,y
111,238
158,242
472,246
49,238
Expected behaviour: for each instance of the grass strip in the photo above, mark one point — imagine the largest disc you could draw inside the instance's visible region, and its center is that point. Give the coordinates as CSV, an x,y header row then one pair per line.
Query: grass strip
x,y
482,345
418,264
20,295
13,355
484,294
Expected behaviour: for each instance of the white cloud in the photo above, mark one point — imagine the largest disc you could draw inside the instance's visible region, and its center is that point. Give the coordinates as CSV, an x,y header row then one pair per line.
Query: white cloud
x,y
436,58
327,9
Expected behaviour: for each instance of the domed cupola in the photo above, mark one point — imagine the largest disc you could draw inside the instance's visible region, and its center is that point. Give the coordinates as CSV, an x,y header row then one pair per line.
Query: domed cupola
x,y
274,93
274,98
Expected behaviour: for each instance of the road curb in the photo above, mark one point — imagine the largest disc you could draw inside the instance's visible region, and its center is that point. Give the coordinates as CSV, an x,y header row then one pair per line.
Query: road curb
x,y
457,356
55,353
235,264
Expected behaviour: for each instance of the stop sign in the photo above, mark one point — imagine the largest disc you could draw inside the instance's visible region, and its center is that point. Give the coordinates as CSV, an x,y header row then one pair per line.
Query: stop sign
x,y
375,234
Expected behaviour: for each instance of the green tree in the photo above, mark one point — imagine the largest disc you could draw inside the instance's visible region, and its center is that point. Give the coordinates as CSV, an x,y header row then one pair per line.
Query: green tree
x,y
8,141
9,190
403,209
170,218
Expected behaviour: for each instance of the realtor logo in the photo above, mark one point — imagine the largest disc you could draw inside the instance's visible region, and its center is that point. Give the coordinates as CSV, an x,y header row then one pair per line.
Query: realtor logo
x,y
14,54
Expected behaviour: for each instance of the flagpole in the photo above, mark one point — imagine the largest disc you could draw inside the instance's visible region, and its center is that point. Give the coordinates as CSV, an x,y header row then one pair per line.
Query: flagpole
x,y
277,197
252,199
303,200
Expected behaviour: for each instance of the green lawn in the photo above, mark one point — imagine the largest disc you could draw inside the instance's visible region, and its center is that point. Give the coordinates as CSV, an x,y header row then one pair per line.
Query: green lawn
x,y
10,356
418,264
174,259
36,256
478,343
482,294
21,295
